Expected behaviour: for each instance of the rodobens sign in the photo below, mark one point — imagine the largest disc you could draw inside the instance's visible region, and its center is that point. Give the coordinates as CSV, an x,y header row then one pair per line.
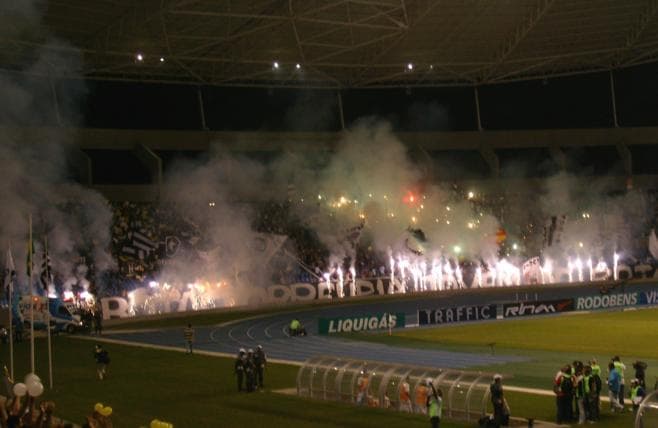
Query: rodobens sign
x,y
360,323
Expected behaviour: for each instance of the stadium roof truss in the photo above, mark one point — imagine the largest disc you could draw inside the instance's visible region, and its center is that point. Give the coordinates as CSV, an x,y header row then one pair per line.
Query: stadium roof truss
x,y
340,44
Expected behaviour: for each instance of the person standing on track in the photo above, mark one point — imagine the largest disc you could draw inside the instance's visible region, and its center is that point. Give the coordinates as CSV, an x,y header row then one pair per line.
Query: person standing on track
x,y
259,361
188,334
239,368
98,320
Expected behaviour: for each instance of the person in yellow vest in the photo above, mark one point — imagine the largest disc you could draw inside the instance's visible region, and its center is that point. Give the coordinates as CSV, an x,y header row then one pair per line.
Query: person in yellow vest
x,y
434,406
362,388
405,398
637,394
294,327
590,394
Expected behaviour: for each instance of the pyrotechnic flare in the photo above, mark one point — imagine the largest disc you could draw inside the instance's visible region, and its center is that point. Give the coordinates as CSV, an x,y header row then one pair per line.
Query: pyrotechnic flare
x,y
353,281
340,290
614,267
392,263
579,269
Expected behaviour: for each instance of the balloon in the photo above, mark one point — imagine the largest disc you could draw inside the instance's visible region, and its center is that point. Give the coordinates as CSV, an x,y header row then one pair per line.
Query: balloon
x,y
20,389
31,377
106,411
155,423
35,389
98,407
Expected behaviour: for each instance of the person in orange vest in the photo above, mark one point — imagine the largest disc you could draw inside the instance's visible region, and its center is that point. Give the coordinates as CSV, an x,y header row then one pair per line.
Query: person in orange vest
x,y
421,397
405,398
364,381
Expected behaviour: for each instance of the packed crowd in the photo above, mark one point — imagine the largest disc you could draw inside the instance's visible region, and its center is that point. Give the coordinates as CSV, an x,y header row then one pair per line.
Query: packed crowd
x,y
145,236
578,388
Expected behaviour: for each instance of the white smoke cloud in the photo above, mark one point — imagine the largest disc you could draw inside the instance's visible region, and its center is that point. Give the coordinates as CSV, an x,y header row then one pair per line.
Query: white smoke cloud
x,y
75,219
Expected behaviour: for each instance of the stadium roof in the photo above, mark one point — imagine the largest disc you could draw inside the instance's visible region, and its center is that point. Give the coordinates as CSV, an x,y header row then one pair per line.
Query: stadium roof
x,y
350,43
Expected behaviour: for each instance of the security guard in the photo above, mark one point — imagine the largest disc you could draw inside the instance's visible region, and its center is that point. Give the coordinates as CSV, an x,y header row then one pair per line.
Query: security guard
x,y
563,388
259,361
595,405
434,406
250,371
498,400
590,395
637,394
239,368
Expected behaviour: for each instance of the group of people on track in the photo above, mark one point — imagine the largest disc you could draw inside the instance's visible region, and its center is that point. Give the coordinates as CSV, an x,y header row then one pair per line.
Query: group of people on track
x,y
578,388
249,369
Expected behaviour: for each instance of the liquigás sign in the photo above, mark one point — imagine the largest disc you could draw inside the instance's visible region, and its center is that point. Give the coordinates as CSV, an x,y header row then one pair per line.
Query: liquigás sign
x,y
360,323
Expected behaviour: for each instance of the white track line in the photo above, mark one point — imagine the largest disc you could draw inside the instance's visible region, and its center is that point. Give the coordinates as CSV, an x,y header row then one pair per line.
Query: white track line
x,y
230,335
267,331
181,349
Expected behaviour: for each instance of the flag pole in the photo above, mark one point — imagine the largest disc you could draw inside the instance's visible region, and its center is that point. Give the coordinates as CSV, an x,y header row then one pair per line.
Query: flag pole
x,y
50,345
30,267
11,317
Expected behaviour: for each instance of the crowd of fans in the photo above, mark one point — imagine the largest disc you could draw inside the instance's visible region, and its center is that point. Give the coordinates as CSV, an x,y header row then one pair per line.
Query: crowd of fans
x,y
145,235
